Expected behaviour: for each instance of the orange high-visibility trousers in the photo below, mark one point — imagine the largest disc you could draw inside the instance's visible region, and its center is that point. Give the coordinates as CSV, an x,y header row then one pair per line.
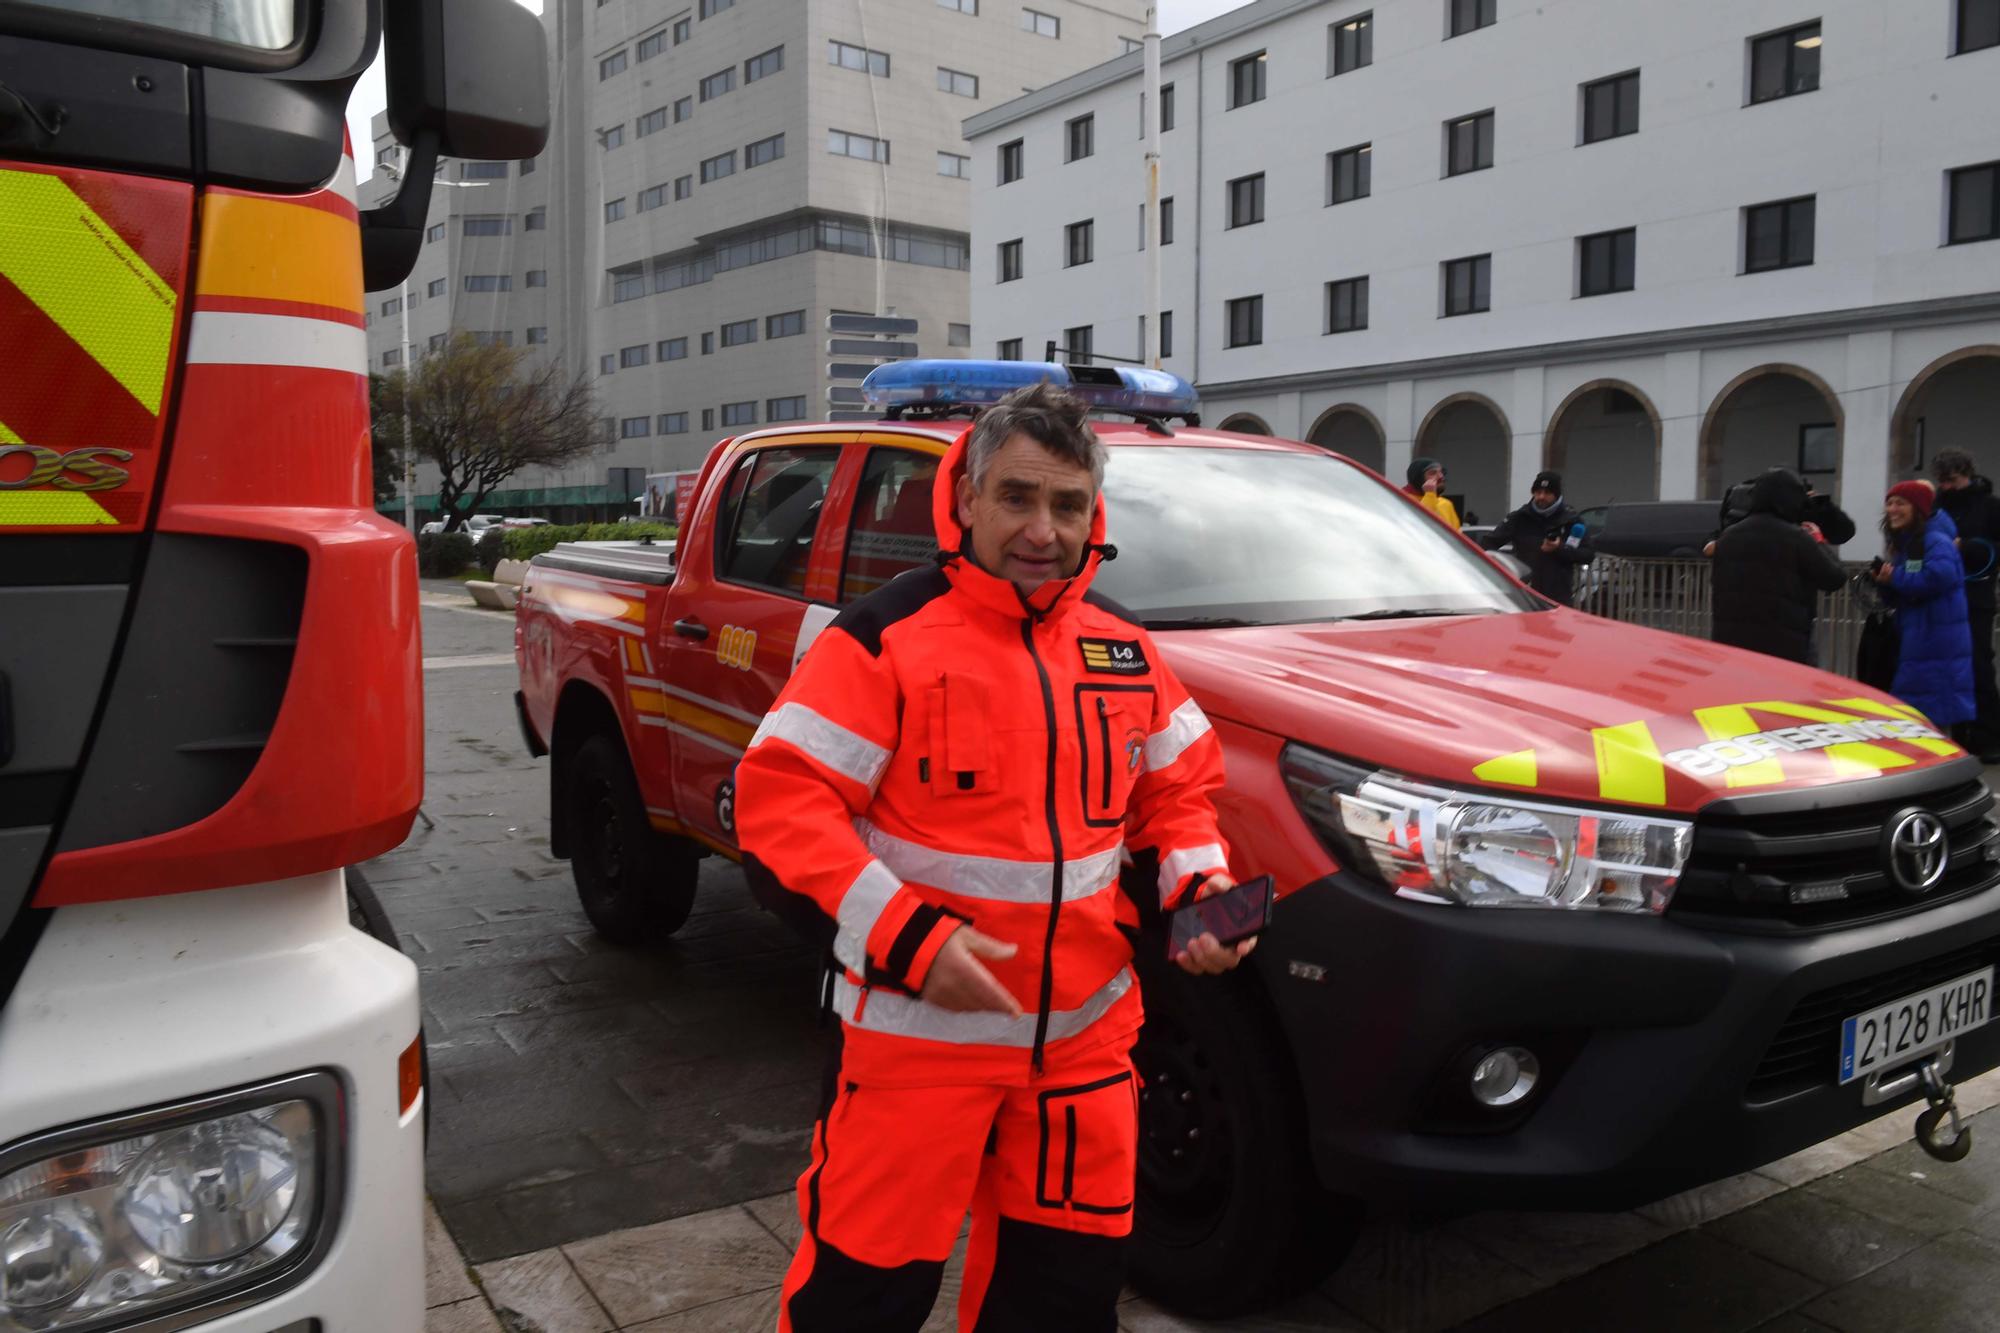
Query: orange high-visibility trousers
x,y
1046,1169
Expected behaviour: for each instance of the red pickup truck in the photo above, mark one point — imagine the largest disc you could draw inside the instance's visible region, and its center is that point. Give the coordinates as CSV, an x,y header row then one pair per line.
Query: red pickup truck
x,y
1575,914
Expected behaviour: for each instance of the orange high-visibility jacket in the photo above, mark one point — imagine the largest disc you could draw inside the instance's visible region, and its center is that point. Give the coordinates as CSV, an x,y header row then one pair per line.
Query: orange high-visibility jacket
x,y
946,753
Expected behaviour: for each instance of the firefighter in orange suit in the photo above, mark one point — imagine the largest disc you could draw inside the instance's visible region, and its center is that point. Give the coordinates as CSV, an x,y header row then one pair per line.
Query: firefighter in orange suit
x,y
951,778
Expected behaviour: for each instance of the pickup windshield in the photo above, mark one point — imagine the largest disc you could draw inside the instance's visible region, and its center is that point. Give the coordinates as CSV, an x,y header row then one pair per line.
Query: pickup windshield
x,y
261,25
1214,537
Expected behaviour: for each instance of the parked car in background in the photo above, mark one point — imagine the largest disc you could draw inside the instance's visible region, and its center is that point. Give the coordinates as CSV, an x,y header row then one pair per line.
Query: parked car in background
x,y
1650,527
475,525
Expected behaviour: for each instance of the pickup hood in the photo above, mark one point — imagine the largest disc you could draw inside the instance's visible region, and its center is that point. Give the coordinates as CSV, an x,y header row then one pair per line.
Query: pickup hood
x,y
1558,703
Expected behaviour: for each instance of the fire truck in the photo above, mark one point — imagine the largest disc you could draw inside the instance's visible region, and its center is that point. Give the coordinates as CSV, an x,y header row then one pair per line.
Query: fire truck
x,y
211,1083
1575,914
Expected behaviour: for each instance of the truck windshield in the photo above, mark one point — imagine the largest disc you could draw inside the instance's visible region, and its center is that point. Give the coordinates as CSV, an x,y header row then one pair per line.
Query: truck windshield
x,y
1249,536
263,25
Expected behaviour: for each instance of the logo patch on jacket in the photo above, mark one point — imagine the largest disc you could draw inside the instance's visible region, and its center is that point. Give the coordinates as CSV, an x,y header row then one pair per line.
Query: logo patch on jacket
x,y
1119,657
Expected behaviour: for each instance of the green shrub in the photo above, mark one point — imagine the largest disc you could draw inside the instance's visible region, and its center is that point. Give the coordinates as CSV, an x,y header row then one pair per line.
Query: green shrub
x,y
490,549
443,555
527,543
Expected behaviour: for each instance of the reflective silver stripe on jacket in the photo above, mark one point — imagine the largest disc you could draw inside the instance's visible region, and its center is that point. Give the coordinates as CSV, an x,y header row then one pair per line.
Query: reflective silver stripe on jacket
x,y
831,744
906,1016
1176,866
993,878
1187,725
860,908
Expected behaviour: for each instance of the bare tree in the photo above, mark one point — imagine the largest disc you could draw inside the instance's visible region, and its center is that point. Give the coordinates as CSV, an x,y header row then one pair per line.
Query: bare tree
x,y
480,416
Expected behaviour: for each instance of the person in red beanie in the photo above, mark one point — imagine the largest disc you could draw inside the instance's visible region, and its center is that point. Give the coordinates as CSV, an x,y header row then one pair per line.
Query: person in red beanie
x,y
1921,576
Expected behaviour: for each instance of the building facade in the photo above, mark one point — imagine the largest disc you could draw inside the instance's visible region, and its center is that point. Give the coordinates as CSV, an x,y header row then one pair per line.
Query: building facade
x,y
721,177
1656,247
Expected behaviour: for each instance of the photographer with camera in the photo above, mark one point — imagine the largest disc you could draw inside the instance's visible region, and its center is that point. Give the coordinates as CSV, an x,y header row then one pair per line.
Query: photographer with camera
x,y
1547,535
1770,568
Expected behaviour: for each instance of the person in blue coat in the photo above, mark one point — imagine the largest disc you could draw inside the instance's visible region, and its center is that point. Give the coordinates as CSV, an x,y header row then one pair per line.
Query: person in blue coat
x,y
1921,576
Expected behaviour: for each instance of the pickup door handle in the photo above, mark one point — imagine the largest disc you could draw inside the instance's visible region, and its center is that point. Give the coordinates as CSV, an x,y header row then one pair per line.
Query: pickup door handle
x,y
690,628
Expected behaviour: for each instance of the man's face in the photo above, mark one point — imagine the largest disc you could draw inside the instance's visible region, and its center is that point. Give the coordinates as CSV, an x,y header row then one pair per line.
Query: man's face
x,y
1956,481
1433,478
1028,523
1542,496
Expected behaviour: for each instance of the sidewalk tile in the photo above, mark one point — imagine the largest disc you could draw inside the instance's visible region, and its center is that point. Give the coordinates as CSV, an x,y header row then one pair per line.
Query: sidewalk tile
x,y
1976,1180
1705,1203
672,1266
1793,1323
1312,1314
541,1293
1408,1275
780,1215
1822,1159
756,1313
1898,1199
1812,1234
1554,1246
471,1316
445,1278
1951,1285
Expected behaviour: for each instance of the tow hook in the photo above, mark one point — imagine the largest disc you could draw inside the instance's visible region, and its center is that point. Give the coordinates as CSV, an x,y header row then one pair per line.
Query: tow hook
x,y
1939,1130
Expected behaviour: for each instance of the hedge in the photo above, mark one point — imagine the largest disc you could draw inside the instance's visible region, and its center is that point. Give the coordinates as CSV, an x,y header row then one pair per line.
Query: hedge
x,y
527,543
491,549
443,555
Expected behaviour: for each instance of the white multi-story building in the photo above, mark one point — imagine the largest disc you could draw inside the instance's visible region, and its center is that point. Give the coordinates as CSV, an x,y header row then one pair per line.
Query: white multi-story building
x,y
1658,247
722,176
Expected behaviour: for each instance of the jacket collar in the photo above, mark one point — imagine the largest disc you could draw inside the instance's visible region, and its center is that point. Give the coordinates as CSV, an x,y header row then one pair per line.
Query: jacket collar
x,y
1050,601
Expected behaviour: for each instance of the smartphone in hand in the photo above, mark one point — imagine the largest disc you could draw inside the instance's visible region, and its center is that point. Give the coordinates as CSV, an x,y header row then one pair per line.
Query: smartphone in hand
x,y
1231,916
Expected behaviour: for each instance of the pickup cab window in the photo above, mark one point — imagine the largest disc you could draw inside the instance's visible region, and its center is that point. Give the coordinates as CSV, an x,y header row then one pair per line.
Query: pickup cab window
x,y
892,531
769,516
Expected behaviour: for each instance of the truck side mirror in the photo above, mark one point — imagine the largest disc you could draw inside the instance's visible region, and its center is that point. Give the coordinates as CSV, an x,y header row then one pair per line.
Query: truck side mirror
x,y
466,78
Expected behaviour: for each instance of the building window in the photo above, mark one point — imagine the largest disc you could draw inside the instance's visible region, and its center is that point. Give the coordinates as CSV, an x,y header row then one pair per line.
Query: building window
x,y
538,334
785,409
392,306
958,335
1010,161
1166,107
1975,203
629,357
1246,80
413,300
392,357
1471,15
1978,25
492,225
710,8
683,187
1042,25
671,349
956,165
764,64
764,150
1468,144
1127,45
1347,305
718,83
683,108
962,6
538,277
708,418
957,83
610,65
1778,235
1605,262
1352,44
1245,316
858,58
634,428
482,171
1079,243
535,219
436,287
1468,285
673,423
651,46
1348,174
842,144
436,342
1080,138
489,282
788,325
628,284
1010,261
651,123
715,168
1246,200
1166,334
1078,343
683,29
1007,349
1611,107
614,209
738,332
607,364
527,166
1784,63
1167,220
652,197
739,414
611,138
434,232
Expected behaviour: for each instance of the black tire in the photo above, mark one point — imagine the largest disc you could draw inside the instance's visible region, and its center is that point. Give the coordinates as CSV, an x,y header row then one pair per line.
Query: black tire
x,y
636,885
365,914
1236,1221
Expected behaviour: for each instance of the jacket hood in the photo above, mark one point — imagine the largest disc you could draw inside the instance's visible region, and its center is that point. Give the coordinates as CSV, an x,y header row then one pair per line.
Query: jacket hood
x,y
1779,492
1414,473
990,590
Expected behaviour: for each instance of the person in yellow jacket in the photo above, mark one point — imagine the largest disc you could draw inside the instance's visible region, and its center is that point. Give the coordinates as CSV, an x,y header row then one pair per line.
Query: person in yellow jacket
x,y
1426,485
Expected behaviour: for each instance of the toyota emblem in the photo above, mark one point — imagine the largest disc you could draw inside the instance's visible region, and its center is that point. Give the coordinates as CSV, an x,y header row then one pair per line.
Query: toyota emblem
x,y
1914,851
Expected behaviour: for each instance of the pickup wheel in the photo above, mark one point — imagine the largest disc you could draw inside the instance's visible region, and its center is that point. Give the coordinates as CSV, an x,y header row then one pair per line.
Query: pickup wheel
x,y
1230,1216
636,885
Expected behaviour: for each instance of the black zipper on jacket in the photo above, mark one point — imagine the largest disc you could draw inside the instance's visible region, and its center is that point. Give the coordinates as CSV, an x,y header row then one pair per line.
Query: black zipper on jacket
x,y
1104,735
1055,845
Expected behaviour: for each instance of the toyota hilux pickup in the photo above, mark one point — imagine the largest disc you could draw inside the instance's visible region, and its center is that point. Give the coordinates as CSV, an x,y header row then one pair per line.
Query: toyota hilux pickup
x,y
1574,914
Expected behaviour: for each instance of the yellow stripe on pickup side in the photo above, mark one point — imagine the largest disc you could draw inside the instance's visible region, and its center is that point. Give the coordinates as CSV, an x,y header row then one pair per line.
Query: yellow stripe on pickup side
x,y
81,274
1859,759
278,251
1725,722
1902,713
48,509
1628,765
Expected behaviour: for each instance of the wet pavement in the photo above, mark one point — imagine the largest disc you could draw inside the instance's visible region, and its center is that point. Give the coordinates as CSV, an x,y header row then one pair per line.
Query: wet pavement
x,y
615,1132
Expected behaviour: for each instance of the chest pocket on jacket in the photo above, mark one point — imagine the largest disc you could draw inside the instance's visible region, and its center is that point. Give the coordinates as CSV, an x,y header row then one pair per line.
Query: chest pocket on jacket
x,y
958,760
1111,725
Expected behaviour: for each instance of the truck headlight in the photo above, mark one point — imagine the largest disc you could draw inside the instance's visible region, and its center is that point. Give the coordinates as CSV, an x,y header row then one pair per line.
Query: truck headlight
x,y
220,1200
1437,844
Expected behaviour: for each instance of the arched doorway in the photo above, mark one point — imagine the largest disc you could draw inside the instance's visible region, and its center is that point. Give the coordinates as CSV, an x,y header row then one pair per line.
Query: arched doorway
x,y
1468,433
1243,423
1351,430
1953,403
1772,416
1605,440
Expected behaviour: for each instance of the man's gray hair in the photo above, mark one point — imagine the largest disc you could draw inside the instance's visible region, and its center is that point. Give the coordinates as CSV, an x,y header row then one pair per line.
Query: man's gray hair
x,y
1056,420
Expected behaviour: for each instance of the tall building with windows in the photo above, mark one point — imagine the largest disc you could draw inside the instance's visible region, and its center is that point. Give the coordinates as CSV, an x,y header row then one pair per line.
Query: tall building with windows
x,y
1656,247
723,175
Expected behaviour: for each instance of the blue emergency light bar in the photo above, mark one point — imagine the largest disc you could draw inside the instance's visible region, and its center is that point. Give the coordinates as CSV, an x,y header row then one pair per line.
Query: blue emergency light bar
x,y
939,384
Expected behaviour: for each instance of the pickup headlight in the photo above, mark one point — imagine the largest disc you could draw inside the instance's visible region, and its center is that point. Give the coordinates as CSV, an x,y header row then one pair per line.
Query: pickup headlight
x,y
1435,844
184,1206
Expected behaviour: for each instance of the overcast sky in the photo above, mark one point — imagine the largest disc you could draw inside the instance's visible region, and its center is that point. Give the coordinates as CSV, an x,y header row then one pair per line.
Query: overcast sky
x,y
368,95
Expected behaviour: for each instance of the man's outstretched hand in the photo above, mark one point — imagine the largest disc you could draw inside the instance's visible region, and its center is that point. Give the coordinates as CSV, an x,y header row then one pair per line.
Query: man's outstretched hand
x,y
1205,957
959,981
